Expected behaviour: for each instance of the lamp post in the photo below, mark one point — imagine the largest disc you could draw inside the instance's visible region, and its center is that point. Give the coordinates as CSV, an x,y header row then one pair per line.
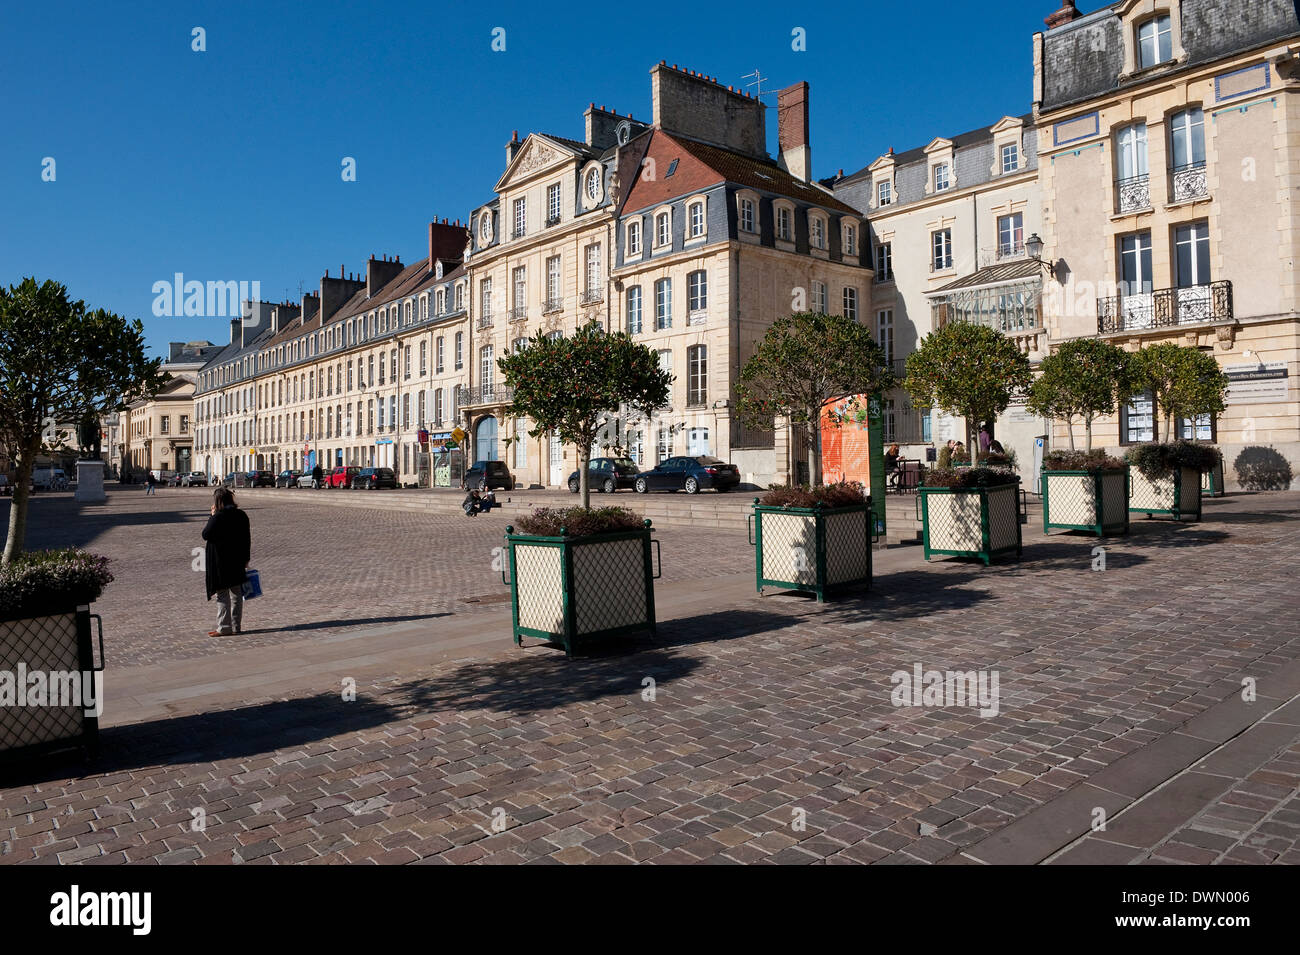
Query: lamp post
x,y
1034,249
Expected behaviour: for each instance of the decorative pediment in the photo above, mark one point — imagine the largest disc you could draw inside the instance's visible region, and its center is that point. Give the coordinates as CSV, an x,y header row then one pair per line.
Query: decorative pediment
x,y
885,161
537,153
1006,124
938,145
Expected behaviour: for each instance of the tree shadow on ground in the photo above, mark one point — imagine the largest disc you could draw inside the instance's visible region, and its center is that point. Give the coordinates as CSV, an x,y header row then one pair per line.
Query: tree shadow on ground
x,y
897,595
347,622
209,737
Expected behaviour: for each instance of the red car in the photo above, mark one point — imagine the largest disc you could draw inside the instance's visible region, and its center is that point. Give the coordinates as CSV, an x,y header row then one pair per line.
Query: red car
x,y
341,477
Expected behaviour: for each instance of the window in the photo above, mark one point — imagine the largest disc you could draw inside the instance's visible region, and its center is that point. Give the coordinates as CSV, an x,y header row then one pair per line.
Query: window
x,y
634,310
460,350
885,333
817,232
521,443
440,302
437,407
1011,234
747,215
1155,42
553,203
697,291
1187,153
521,217
329,379
663,230
1131,168
185,424
885,262
850,303
519,280
593,185
666,360
697,374
552,302
592,281
942,179
1192,254
349,374
663,304
486,370
819,297
460,297
696,216
1135,263
166,425
1010,158
518,344
424,358
634,237
406,411
784,227
664,444
850,239
884,193
437,354
1138,420
392,413
485,300
1200,428
941,243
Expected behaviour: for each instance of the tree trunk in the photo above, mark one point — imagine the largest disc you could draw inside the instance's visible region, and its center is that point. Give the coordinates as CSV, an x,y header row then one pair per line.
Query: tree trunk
x,y
18,507
1069,427
972,440
1087,430
584,461
815,453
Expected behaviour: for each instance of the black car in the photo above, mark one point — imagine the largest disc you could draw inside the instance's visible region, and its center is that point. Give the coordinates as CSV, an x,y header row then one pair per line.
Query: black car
x,y
370,479
261,479
288,478
491,474
690,475
607,475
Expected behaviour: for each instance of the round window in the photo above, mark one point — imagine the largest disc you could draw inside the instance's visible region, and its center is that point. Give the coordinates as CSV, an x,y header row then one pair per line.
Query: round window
x,y
593,184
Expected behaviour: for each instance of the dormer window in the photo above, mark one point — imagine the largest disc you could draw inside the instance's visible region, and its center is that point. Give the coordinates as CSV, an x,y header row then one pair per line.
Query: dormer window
x,y
942,179
816,231
784,224
634,237
663,229
747,221
695,219
884,193
1010,158
593,185
1155,42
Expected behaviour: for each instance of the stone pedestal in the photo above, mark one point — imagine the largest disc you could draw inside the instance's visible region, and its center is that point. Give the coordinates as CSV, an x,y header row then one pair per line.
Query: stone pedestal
x,y
90,482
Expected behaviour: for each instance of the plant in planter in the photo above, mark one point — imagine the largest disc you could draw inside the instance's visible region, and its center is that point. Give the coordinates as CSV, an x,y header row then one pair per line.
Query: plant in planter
x,y
1212,480
45,629
813,539
804,361
1165,478
578,574
972,512
1085,491
968,370
1083,379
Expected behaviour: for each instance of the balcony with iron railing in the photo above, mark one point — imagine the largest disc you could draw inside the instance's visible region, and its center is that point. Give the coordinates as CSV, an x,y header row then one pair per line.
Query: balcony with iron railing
x,y
518,314
593,296
486,394
1188,182
1133,194
484,321
552,305
1166,308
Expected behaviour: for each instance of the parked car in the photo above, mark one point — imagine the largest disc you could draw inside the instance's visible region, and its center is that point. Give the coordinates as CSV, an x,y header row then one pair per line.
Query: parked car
x,y
287,478
235,479
493,474
342,476
371,479
50,479
606,475
194,479
690,475
305,479
261,479
5,487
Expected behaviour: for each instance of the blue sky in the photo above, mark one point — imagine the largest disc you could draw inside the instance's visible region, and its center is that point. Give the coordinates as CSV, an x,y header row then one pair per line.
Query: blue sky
x,y
225,164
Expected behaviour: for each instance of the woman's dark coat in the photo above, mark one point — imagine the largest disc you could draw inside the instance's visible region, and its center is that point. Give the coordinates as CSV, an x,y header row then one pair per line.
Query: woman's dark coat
x,y
230,548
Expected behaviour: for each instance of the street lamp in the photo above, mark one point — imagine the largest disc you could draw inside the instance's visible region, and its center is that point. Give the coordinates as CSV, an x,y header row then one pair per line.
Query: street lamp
x,y
1034,249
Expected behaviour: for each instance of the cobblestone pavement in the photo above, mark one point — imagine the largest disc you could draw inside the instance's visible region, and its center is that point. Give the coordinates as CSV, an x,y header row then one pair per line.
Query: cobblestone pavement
x,y
770,735
324,569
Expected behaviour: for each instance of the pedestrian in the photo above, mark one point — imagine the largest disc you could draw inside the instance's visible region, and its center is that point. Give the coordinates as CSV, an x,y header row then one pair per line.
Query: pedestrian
x,y
995,447
891,466
487,499
471,503
316,474
151,484
985,438
226,559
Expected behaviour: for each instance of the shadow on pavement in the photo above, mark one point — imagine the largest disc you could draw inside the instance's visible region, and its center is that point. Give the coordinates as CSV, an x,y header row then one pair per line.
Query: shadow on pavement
x,y
346,622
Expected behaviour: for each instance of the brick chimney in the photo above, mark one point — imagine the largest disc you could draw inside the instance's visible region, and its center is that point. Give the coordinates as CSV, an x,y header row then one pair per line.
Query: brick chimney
x,y
1068,12
792,130
698,106
512,147
446,242
379,272
335,292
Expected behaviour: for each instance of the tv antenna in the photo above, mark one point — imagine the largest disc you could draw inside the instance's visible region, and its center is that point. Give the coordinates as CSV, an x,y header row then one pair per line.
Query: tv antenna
x,y
759,78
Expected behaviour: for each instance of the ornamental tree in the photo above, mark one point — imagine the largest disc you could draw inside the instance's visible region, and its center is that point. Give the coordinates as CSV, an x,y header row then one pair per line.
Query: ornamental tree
x,y
1085,378
1185,381
968,370
569,385
60,363
803,361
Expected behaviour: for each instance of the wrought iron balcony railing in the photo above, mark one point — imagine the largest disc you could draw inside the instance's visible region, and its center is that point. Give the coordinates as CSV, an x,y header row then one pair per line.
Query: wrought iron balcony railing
x,y
1013,251
1189,182
519,313
484,321
483,395
552,221
1133,193
592,296
552,305
1165,308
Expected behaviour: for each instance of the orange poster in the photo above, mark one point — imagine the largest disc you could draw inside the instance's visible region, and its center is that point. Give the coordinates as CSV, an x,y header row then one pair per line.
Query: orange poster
x,y
846,448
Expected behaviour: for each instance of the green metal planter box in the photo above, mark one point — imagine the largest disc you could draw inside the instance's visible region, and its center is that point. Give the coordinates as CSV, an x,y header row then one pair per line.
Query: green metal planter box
x,y
1095,501
1177,495
1212,481
981,522
570,590
59,709
812,549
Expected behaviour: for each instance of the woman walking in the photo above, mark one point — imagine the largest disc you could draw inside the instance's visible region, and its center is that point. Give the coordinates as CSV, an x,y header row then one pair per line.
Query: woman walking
x,y
229,552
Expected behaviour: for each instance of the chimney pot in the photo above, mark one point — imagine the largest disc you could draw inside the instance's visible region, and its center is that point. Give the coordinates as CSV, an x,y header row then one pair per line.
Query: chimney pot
x,y
1066,14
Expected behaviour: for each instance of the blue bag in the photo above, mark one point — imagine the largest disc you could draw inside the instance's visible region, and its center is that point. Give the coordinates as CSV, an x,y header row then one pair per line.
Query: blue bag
x,y
252,585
